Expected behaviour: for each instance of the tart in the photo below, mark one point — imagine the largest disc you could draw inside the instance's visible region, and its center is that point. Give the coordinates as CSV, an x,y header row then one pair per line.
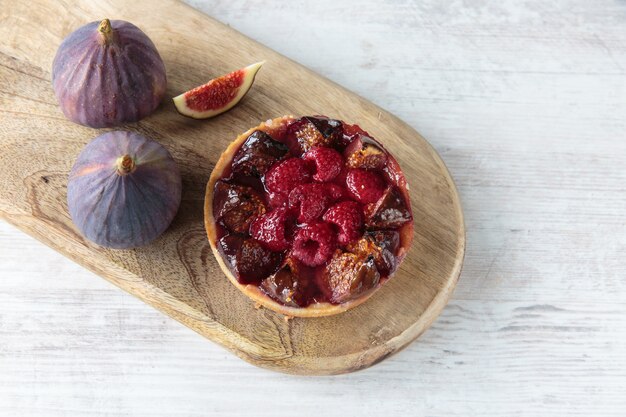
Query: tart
x,y
308,216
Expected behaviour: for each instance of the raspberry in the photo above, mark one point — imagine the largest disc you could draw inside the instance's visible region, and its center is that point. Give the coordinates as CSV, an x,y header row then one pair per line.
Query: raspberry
x,y
365,186
341,178
269,229
286,175
335,191
313,199
347,216
277,200
328,163
314,243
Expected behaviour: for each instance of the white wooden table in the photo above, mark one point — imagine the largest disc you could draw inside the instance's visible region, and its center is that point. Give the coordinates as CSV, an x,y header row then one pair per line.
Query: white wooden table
x,y
526,102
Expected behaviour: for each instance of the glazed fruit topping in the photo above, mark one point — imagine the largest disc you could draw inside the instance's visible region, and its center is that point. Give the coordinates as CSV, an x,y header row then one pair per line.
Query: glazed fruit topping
x,y
276,200
365,186
349,275
257,154
382,245
248,258
271,229
311,200
283,286
312,211
287,175
314,243
309,132
235,206
289,285
364,153
328,163
347,216
255,262
389,212
329,128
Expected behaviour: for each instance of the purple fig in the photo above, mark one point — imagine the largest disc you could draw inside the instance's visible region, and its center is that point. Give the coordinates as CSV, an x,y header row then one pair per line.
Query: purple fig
x,y
108,73
124,190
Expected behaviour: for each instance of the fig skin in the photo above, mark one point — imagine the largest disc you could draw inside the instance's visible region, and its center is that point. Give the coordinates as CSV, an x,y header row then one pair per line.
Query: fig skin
x,y
124,190
108,73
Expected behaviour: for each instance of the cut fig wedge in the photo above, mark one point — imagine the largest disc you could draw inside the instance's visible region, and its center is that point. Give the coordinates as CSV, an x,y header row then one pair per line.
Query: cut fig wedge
x,y
218,95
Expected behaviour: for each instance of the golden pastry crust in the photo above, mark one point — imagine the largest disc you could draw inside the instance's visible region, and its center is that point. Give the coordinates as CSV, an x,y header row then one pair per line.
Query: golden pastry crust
x,y
253,291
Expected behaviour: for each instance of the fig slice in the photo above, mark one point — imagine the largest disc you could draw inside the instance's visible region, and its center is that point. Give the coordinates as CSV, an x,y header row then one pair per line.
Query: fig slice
x,y
218,95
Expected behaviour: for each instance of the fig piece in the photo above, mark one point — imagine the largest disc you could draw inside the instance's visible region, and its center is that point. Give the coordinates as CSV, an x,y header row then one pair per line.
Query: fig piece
x,y
287,285
236,206
348,276
248,259
254,262
257,154
365,153
218,95
124,190
382,245
108,73
389,212
311,131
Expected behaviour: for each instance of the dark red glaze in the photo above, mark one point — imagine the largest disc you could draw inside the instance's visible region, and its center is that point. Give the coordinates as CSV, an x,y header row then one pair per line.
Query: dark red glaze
x,y
311,211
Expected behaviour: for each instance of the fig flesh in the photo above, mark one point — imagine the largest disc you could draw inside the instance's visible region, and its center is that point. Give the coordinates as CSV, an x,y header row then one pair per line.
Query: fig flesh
x,y
108,73
218,95
124,190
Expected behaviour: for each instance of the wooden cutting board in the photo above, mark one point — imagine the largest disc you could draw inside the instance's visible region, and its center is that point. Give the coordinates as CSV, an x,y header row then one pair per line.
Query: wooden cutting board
x,y
177,274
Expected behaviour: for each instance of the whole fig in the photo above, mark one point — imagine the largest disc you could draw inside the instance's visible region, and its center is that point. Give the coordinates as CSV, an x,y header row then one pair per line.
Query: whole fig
x,y
108,73
124,190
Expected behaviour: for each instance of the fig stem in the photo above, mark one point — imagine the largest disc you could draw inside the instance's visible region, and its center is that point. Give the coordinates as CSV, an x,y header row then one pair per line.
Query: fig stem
x,y
125,165
106,30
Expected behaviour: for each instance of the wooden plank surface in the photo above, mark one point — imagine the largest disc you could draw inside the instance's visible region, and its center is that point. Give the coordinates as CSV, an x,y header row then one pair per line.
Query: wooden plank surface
x,y
525,102
177,273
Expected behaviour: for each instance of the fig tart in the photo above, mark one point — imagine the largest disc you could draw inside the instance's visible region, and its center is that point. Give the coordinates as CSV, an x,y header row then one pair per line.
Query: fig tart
x,y
308,216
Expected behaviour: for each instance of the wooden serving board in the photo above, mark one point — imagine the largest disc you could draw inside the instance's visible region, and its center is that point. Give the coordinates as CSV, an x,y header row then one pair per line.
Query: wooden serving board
x,y
177,274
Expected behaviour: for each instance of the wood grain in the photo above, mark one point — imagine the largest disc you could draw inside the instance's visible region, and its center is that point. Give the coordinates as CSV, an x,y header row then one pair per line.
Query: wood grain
x,y
178,274
525,103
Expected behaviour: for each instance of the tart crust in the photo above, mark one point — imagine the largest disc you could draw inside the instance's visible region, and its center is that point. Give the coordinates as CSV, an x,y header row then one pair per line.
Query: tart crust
x,y
319,309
